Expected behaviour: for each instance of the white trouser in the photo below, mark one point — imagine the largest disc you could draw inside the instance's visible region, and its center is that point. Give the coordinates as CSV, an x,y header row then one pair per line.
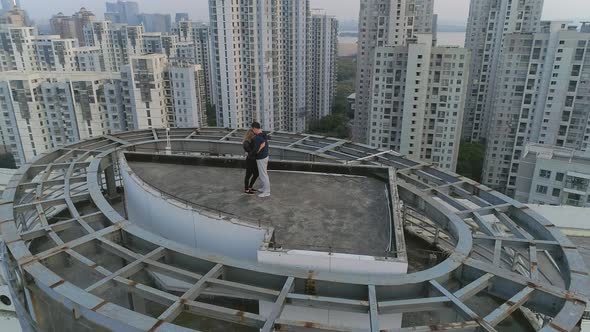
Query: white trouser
x,y
263,175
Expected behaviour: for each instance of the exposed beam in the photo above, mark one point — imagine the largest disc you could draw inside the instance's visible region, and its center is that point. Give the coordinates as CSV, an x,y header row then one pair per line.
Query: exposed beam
x,y
413,305
277,308
191,294
330,146
506,309
116,139
373,309
126,271
464,310
474,287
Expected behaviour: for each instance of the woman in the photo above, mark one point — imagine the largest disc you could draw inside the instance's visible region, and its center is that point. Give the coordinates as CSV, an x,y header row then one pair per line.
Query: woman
x,y
251,166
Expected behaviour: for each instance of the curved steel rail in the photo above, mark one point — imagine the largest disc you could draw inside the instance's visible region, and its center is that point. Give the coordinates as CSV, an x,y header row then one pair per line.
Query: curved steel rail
x,y
59,226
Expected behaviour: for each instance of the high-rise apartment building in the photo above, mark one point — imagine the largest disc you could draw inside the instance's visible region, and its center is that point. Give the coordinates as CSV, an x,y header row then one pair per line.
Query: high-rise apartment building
x,y
72,26
260,66
53,92
194,38
62,25
43,110
323,52
383,23
542,96
181,17
553,175
161,94
489,22
156,22
15,17
122,12
418,98
116,41
9,4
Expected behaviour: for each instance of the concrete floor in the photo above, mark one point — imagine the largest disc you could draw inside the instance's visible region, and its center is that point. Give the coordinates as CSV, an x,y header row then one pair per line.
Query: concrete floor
x,y
308,211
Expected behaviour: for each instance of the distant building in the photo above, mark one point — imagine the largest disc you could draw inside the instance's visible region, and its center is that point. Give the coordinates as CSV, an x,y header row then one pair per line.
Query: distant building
x,y
122,12
182,17
322,56
198,35
162,94
117,42
489,22
15,16
262,76
553,175
544,98
50,109
417,100
72,26
63,25
81,19
155,22
10,4
382,24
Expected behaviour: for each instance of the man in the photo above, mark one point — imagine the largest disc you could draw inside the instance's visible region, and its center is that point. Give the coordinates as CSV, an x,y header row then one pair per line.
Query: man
x,y
261,148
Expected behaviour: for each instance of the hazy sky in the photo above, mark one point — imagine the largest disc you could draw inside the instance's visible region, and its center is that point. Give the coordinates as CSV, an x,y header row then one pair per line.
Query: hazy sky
x,y
450,11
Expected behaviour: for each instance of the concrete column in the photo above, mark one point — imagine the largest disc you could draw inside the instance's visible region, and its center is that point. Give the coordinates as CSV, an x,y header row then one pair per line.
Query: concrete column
x,y
109,174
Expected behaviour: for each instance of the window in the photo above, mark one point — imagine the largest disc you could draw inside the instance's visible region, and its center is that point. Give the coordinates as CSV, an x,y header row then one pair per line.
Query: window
x,y
541,189
545,174
556,192
559,176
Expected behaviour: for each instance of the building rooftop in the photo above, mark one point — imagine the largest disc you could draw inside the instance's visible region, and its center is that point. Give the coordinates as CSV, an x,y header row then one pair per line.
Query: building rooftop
x,y
321,212
71,243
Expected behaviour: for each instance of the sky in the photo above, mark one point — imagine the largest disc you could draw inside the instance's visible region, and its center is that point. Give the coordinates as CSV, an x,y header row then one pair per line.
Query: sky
x,y
450,11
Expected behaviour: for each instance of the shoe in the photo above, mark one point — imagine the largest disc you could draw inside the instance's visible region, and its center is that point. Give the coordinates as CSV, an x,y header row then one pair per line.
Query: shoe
x,y
264,195
249,192
253,190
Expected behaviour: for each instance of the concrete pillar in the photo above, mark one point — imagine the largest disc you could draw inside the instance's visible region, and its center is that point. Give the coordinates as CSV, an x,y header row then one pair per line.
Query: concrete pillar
x,y
109,175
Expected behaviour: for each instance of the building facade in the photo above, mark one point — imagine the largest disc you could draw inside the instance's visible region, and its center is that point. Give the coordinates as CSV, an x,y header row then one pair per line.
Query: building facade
x,y
542,96
418,98
43,110
53,92
156,22
259,65
383,23
195,48
163,94
323,52
125,12
72,26
554,176
116,41
488,24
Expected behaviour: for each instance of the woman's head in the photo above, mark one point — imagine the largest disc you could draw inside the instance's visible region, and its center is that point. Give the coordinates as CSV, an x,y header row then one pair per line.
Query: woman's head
x,y
249,136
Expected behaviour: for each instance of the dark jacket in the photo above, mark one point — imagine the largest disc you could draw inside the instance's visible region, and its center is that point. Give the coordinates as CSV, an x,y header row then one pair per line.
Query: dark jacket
x,y
258,140
249,149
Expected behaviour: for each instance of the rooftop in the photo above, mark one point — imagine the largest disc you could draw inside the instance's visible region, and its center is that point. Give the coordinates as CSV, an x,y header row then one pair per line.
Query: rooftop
x,y
308,211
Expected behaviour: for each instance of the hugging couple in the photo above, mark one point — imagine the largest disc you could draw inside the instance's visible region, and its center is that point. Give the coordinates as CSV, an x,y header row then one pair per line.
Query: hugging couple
x,y
256,147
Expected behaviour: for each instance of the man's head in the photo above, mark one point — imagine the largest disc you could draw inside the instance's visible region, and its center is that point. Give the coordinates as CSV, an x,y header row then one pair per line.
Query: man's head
x,y
256,127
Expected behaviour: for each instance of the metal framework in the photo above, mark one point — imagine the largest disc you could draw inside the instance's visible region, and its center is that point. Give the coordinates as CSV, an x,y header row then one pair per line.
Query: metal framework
x,y
60,224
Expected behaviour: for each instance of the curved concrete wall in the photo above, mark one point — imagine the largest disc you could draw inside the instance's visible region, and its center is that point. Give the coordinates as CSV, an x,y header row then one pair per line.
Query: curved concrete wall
x,y
179,222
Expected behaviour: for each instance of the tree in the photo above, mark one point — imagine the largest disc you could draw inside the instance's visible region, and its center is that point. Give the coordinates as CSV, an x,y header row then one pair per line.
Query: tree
x,y
470,161
7,161
211,116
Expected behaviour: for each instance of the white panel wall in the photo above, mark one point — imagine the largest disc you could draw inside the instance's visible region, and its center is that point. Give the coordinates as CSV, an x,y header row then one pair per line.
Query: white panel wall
x,y
175,221
313,260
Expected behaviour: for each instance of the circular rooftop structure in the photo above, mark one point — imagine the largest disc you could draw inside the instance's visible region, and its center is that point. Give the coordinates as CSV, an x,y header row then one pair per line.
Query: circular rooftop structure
x,y
148,231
